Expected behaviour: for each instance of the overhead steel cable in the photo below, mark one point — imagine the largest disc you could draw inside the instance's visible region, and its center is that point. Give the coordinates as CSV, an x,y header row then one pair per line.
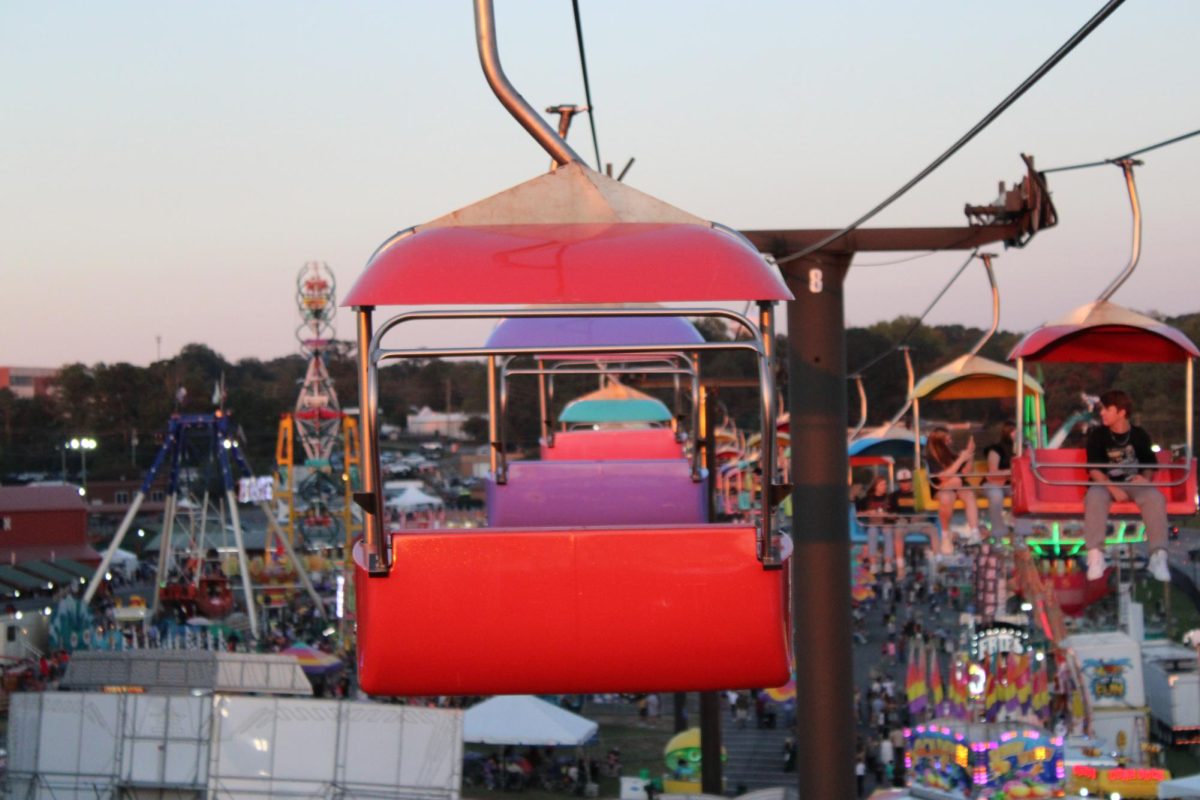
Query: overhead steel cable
x,y
1025,86
913,328
587,87
1131,154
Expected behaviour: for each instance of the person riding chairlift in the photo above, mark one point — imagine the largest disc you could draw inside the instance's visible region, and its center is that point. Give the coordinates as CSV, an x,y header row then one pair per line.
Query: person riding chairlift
x,y
945,476
1128,450
999,476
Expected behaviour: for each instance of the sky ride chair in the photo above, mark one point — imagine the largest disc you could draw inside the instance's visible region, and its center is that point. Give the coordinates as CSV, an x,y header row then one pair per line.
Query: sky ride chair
x,y
1051,483
618,441
606,430
968,377
879,452
566,607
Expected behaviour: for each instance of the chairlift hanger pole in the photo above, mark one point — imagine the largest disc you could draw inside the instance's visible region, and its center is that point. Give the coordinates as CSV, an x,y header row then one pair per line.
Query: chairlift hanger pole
x,y
1135,207
862,408
510,98
991,275
817,401
908,395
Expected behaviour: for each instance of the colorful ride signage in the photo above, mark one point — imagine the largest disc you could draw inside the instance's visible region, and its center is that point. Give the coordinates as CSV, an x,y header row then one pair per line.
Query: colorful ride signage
x,y
1129,782
985,761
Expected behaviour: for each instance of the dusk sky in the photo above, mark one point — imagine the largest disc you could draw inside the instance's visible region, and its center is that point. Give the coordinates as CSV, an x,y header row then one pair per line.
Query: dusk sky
x,y
167,168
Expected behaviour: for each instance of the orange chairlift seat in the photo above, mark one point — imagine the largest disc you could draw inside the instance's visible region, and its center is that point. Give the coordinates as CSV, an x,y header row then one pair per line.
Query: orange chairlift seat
x,y
968,377
1052,483
565,608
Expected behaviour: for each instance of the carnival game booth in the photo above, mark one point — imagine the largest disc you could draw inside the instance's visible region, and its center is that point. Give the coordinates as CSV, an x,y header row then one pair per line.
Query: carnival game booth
x,y
1051,483
564,596
984,761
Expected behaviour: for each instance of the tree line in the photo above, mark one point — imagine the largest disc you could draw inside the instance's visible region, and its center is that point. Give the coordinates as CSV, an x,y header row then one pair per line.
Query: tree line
x,y
126,407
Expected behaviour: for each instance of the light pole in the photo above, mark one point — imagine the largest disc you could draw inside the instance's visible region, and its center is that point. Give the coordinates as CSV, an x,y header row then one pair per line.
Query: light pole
x,y
82,444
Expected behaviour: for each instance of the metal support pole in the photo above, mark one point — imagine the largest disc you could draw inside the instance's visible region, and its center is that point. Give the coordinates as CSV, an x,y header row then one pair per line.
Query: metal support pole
x,y
375,544
164,551
92,586
510,98
679,709
543,408
243,562
301,570
494,456
1135,247
825,730
710,744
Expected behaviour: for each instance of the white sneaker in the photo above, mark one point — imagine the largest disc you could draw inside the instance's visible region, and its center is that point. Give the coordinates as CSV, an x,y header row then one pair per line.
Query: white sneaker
x,y
1096,564
1158,566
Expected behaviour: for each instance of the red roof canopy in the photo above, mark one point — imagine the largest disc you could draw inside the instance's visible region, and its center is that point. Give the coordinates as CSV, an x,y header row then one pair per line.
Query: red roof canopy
x,y
567,264
569,237
1103,332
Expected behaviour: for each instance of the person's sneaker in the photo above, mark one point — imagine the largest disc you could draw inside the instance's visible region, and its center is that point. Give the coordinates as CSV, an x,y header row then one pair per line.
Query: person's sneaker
x,y
1158,566
1096,564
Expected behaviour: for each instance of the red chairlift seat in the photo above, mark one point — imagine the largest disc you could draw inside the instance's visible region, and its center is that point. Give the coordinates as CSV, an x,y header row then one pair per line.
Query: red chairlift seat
x,y
617,444
1100,332
530,611
569,608
1051,500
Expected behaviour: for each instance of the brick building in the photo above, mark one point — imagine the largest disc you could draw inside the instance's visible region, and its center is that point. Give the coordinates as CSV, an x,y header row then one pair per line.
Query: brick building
x,y
27,382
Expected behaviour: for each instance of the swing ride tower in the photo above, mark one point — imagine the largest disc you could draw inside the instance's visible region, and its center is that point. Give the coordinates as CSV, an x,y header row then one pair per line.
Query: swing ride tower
x,y
317,491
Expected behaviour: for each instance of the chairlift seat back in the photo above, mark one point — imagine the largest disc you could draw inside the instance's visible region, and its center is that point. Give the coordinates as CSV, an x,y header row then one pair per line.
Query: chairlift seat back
x,y
584,493
557,611
1035,497
614,445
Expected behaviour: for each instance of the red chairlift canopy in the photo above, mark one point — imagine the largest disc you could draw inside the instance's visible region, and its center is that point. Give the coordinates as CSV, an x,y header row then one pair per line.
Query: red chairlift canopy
x,y
1103,332
571,236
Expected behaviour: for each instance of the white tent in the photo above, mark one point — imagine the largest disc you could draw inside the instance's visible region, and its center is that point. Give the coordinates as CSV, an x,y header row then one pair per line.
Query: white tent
x,y
1180,788
125,561
525,720
413,499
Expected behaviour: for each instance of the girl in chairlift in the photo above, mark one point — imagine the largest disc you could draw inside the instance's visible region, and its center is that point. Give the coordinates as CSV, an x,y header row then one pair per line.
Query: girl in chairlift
x,y
946,468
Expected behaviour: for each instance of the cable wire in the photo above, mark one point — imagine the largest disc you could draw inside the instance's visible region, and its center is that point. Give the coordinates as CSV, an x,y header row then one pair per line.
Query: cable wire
x,y
913,328
926,254
587,86
1131,154
1025,86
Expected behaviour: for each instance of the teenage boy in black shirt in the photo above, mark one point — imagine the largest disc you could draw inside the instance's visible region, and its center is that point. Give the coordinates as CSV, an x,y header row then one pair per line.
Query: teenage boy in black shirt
x,y
1126,449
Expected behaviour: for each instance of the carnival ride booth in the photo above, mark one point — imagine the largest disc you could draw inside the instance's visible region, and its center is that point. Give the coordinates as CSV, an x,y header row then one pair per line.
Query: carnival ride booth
x,y
572,596
1051,483
988,761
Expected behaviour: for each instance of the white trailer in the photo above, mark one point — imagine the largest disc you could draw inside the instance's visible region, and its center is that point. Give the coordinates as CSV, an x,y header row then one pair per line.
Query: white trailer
x,y
1173,689
24,635
75,745
1111,666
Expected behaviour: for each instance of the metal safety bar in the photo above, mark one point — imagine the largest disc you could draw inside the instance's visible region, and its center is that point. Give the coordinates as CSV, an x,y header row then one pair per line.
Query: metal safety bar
x,y
574,368
1189,431
620,363
1185,467
371,354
